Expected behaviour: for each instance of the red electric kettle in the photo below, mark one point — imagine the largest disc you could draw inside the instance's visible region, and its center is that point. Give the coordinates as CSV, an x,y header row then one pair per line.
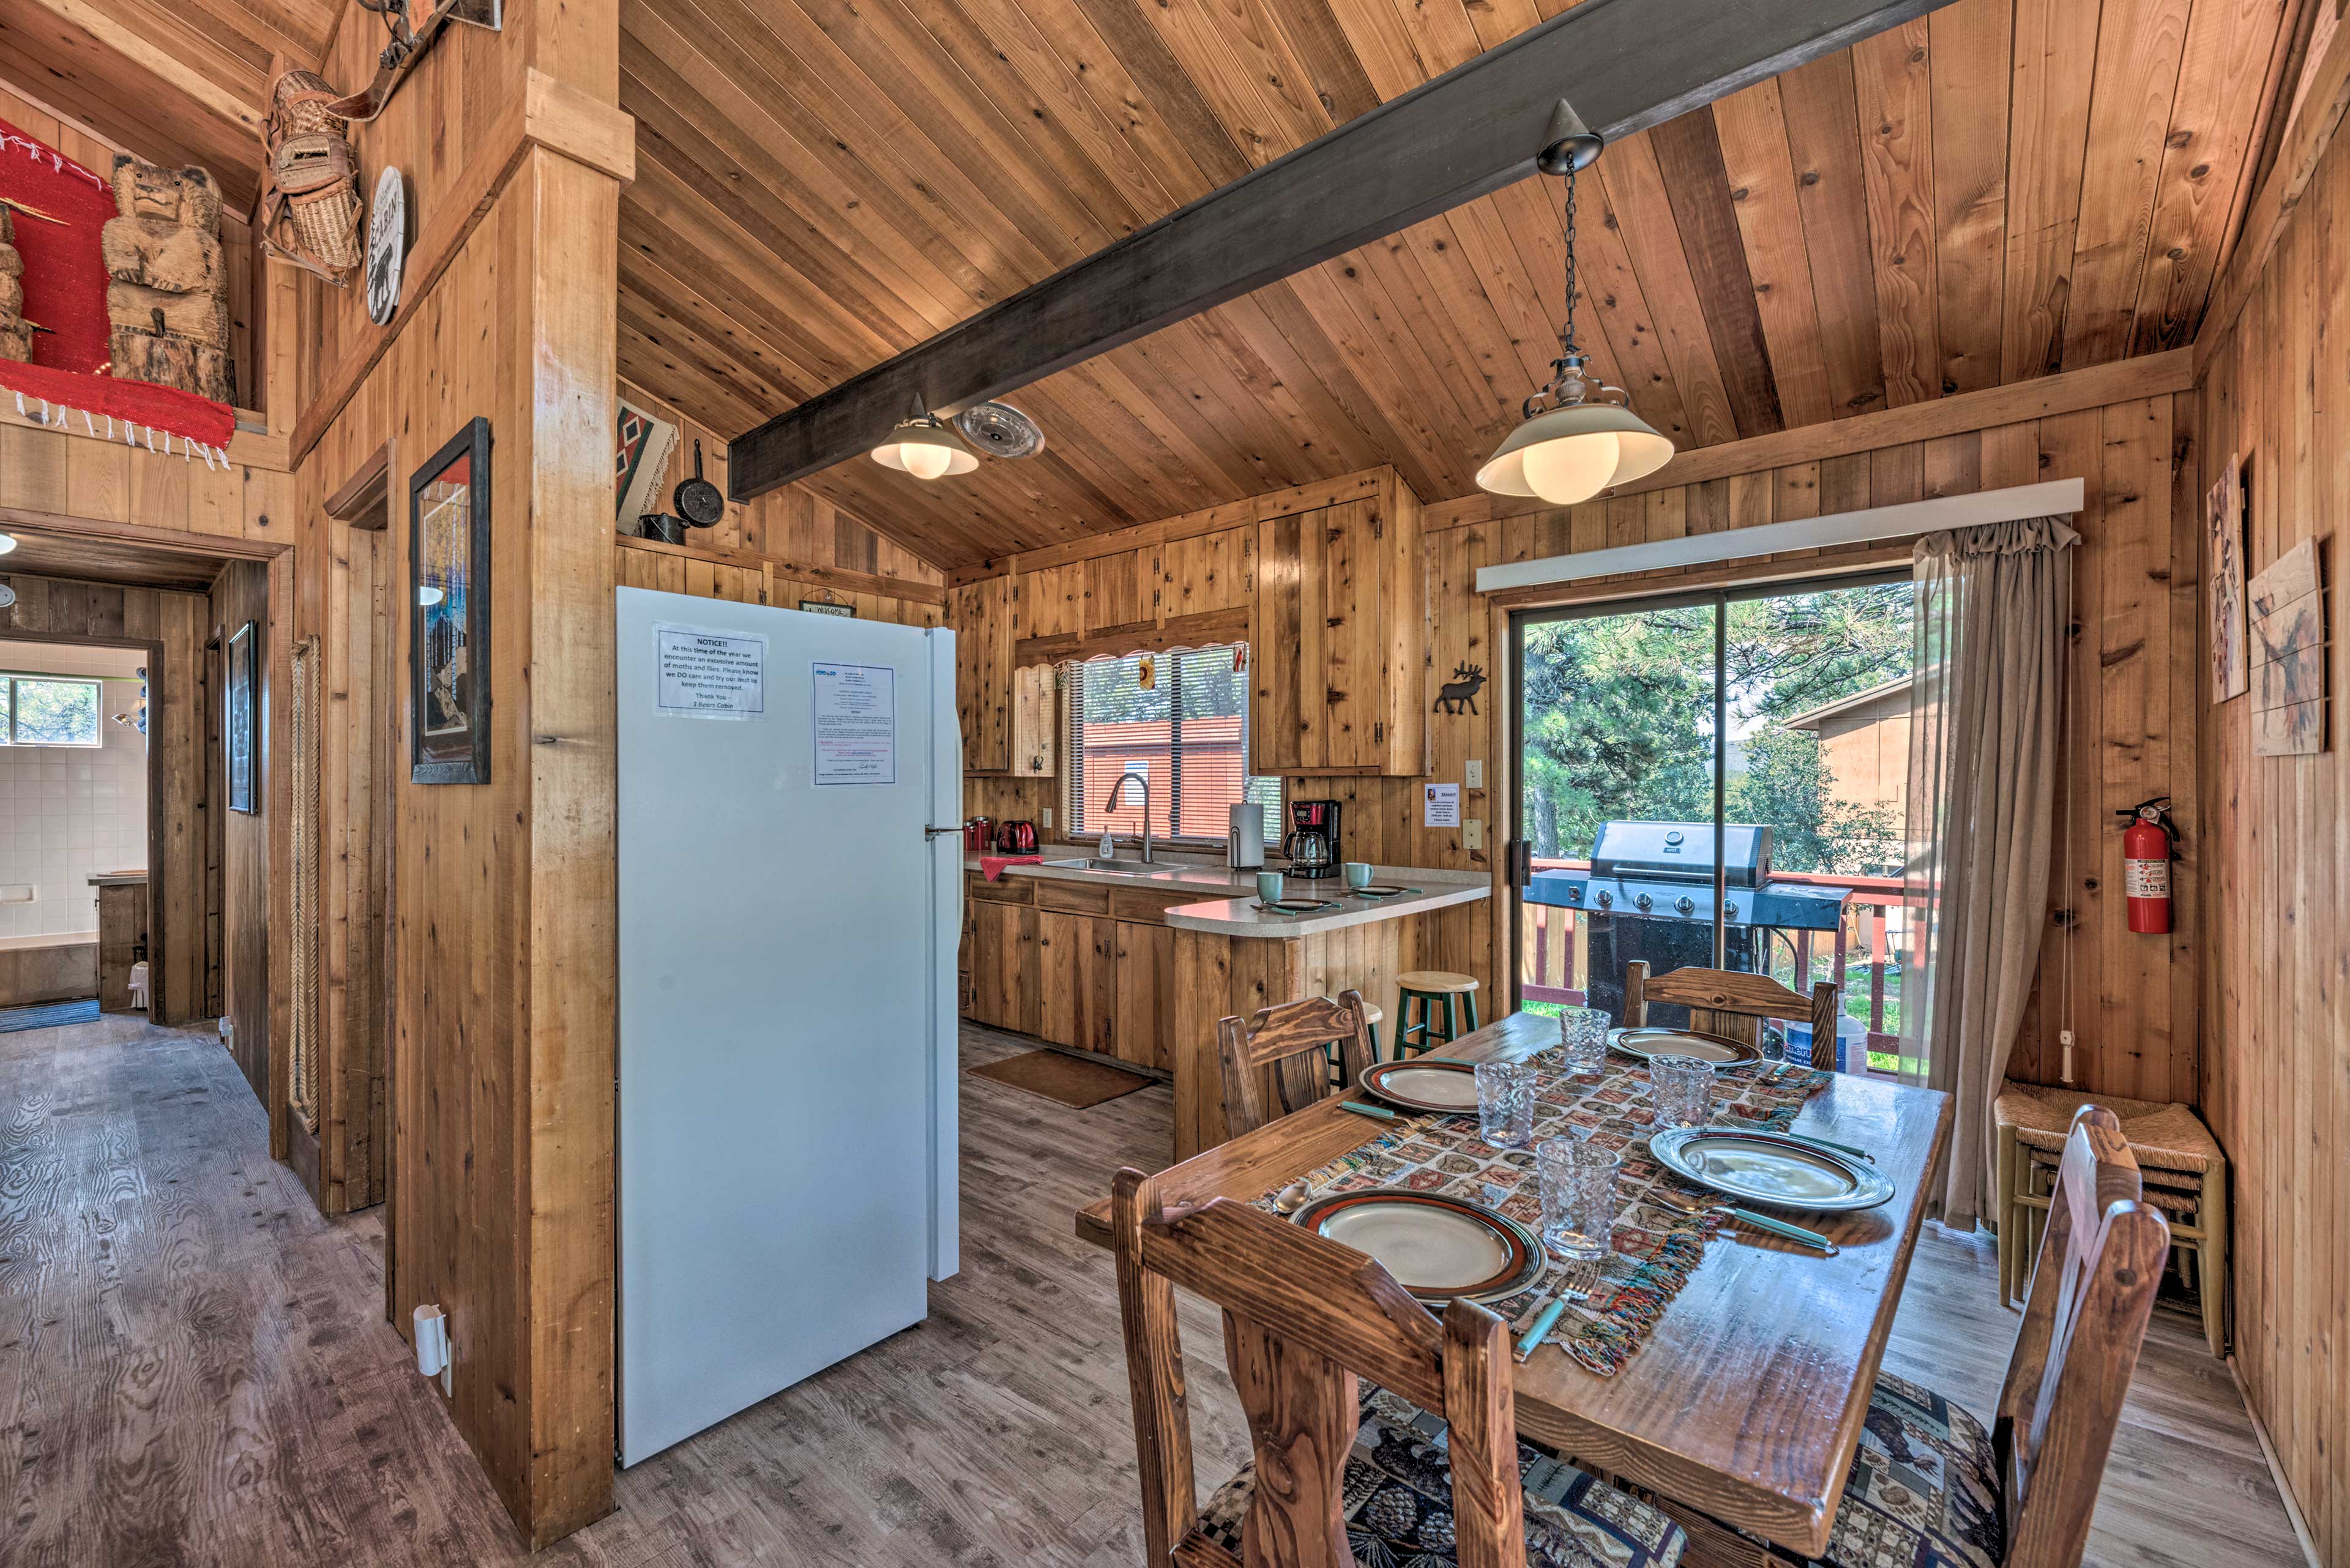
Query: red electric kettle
x,y
1016,838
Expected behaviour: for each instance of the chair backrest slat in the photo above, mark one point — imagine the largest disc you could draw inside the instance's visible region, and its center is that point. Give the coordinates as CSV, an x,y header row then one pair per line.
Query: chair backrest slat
x,y
1733,1005
1303,1317
1272,1062
2101,1257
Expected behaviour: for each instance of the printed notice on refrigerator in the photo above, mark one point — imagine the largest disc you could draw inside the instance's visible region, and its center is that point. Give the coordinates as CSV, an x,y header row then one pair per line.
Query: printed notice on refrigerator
x,y
855,719
702,674
1441,806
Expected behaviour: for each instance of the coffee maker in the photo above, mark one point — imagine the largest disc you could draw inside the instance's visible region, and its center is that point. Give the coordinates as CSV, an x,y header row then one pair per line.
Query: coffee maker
x,y
1313,842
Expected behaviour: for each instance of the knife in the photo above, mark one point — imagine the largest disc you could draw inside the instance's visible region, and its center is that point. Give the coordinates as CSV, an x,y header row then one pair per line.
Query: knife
x,y
1812,1239
1361,1109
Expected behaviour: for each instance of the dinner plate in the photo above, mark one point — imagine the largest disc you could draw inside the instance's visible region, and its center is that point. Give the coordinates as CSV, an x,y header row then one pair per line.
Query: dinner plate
x,y
1718,1049
1765,1168
1437,1248
1448,1088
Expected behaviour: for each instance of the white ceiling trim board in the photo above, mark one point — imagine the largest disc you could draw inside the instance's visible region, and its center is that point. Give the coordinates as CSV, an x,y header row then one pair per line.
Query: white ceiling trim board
x,y
1872,524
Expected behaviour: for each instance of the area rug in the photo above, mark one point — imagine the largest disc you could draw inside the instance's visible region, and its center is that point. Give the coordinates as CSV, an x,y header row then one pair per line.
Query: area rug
x,y
48,1015
1067,1080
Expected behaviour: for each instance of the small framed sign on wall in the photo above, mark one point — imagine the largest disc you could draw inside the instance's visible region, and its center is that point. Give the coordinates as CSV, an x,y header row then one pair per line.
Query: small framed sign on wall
x,y
449,647
237,734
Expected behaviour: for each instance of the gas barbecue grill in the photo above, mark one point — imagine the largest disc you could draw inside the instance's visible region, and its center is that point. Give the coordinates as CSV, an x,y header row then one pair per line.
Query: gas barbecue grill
x,y
1649,894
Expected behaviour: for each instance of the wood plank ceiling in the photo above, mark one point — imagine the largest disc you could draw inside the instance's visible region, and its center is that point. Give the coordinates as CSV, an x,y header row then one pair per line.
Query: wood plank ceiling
x,y
1998,190
183,83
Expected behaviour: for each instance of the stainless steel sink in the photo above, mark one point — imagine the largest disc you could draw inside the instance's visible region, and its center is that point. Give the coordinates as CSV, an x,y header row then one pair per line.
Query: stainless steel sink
x,y
1131,867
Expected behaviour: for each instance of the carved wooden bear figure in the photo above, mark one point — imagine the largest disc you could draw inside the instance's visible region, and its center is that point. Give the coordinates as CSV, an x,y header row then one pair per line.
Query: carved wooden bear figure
x,y
15,337
167,307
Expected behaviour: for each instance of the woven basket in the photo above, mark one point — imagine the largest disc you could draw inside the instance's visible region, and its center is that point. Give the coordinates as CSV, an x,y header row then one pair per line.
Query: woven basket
x,y
310,161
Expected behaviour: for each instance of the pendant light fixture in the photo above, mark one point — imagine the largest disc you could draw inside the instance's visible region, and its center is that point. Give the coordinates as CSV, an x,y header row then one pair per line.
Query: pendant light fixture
x,y
1578,435
925,447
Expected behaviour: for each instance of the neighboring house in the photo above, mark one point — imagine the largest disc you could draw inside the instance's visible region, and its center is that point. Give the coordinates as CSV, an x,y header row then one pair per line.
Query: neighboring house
x,y
1864,745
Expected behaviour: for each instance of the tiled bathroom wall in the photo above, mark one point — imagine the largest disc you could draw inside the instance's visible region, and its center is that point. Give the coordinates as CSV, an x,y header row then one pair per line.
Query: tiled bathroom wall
x,y
67,812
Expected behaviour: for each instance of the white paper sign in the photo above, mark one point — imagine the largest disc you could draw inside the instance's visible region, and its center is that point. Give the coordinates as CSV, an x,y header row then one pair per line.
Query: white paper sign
x,y
855,719
1441,806
700,674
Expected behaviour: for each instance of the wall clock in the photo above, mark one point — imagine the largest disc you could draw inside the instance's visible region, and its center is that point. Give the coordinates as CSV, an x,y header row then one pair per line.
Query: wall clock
x,y
387,245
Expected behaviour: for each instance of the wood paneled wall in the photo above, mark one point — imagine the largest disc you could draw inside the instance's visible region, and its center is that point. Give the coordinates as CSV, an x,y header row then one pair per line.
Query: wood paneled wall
x,y
793,525
250,962
503,903
183,944
2129,721
2272,872
2129,728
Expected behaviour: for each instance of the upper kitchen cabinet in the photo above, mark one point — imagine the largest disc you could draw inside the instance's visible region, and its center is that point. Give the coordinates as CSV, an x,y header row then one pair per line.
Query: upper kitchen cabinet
x,y
1341,639
982,615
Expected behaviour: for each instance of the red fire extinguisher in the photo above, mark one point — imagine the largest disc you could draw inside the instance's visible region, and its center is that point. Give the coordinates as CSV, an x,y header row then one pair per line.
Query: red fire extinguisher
x,y
2147,851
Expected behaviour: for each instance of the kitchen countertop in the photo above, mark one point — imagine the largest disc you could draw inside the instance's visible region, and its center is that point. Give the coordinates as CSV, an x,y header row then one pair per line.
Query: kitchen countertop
x,y
1238,917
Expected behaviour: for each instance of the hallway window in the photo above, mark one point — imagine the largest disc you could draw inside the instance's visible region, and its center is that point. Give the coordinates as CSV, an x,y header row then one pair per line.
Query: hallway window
x,y
43,711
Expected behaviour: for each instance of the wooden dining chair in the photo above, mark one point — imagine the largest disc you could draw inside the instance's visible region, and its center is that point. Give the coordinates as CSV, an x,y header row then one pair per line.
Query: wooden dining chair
x,y
1931,1483
1340,1467
1277,1061
1724,1002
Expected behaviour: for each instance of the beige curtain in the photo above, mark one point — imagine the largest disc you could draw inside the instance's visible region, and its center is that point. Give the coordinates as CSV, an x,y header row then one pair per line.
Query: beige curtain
x,y
1992,606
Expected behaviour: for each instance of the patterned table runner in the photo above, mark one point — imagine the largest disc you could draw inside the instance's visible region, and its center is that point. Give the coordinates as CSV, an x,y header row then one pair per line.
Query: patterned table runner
x,y
1655,1246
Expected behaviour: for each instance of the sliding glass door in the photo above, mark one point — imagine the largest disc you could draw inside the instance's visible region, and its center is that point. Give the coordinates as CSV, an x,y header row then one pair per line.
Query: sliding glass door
x,y
1716,780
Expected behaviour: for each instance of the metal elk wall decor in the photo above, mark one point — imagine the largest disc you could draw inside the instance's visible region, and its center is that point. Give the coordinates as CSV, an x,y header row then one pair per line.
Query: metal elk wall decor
x,y
1460,694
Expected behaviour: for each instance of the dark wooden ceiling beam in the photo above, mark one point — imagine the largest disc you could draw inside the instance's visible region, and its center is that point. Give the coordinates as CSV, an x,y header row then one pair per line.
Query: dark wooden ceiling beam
x,y
1625,64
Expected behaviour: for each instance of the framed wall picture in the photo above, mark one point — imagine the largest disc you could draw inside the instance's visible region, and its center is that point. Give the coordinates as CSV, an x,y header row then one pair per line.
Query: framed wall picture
x,y
449,645
2223,537
238,735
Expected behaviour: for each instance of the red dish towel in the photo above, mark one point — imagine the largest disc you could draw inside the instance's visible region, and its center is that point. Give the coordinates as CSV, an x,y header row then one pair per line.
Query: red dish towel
x,y
993,865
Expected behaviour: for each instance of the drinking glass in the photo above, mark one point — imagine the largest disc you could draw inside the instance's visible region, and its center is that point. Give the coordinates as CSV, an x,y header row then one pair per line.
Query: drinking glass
x,y
1578,1197
1682,1087
1505,1103
1584,1031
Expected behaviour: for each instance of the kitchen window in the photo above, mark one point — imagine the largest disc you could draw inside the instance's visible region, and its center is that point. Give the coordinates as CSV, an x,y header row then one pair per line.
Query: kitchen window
x,y
1185,733
48,711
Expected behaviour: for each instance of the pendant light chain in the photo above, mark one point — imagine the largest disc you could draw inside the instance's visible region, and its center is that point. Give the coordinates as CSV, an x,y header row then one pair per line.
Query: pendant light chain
x,y
1567,338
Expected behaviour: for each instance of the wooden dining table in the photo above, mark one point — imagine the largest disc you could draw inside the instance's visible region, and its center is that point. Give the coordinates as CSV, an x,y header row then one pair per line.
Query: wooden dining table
x,y
1748,1397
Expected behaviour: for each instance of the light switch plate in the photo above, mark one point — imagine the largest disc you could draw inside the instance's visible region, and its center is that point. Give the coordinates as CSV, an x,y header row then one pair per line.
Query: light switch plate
x,y
1472,833
1476,773
1047,814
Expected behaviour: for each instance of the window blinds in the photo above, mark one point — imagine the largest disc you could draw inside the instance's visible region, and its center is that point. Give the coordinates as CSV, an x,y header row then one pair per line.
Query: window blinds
x,y
1186,735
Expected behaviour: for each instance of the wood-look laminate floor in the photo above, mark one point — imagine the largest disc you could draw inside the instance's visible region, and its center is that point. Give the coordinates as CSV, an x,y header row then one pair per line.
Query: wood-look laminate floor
x,y
194,1367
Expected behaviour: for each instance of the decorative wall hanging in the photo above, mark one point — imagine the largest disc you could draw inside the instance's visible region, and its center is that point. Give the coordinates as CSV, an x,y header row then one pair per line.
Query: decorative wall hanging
x,y
387,246
310,180
302,1090
2288,604
2223,538
1461,691
646,442
58,215
408,42
449,651
15,333
822,607
237,733
167,302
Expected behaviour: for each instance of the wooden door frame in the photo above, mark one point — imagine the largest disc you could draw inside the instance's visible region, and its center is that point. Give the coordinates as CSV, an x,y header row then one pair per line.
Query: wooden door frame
x,y
276,558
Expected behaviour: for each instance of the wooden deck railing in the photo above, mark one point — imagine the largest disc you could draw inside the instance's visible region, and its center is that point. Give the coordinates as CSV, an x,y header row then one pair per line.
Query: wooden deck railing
x,y
1554,957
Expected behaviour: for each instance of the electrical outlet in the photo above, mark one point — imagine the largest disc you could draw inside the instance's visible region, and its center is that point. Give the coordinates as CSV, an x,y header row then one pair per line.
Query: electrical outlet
x,y
1476,773
1047,814
1472,833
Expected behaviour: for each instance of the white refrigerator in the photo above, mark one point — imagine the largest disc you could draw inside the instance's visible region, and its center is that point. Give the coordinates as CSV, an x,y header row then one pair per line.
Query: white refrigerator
x,y
790,888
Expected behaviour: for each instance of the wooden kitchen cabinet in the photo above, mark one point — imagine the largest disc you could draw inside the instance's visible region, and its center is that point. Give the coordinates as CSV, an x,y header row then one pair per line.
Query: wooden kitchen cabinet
x,y
1034,709
1337,681
1054,959
983,624
1145,1005
1076,957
